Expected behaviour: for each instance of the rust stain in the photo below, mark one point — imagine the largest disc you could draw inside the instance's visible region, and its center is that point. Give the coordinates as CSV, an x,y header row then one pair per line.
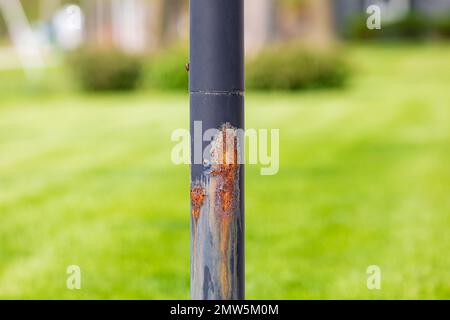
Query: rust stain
x,y
225,170
225,272
198,195
225,167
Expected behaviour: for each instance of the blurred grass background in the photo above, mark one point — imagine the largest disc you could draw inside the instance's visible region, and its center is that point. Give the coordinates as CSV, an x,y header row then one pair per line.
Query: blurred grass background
x,y
87,179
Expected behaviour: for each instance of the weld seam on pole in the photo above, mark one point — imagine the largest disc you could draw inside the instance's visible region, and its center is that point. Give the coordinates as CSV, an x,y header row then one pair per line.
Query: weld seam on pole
x,y
218,93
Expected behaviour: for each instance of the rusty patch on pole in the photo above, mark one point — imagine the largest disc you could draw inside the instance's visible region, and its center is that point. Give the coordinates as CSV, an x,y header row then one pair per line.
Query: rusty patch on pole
x,y
225,167
224,170
197,198
216,215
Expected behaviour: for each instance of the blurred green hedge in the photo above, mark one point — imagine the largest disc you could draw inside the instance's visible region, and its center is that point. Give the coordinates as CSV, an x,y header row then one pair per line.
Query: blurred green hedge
x,y
106,69
279,67
165,69
292,67
442,26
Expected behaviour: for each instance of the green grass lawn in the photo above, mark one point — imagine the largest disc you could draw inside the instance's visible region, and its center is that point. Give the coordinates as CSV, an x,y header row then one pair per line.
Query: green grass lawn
x,y
364,180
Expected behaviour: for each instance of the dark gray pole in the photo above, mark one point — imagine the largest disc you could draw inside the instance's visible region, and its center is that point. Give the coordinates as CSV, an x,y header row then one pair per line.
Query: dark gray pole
x,y
217,175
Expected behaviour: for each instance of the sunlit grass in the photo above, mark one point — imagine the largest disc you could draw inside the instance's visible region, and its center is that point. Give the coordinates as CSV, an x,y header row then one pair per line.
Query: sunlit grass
x,y
364,179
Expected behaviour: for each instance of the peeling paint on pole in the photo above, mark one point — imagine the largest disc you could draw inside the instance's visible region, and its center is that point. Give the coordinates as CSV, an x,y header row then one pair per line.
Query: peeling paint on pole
x,y
217,188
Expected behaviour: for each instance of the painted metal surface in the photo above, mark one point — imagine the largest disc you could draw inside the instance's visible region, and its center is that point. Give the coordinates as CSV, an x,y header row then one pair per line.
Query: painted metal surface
x,y
217,178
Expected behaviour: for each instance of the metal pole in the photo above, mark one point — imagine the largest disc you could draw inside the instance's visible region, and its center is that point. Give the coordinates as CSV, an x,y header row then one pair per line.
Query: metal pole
x,y
217,173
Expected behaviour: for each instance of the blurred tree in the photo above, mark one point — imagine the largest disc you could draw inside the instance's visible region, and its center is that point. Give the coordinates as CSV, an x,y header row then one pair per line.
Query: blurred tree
x,y
170,12
98,21
322,24
261,18
309,21
21,35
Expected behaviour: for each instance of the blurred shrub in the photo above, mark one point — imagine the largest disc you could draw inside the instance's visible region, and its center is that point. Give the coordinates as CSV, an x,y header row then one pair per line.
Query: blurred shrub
x,y
292,67
166,69
411,26
106,69
441,26
283,67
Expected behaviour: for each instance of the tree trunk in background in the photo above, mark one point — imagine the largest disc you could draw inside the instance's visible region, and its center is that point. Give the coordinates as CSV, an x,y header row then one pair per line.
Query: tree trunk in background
x,y
25,43
169,14
322,29
98,22
104,23
129,25
152,24
260,23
